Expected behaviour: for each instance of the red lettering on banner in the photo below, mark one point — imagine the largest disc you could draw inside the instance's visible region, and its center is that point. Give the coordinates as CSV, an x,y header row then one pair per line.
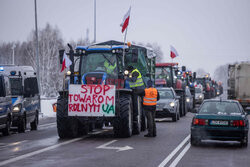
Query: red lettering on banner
x,y
84,89
106,88
91,106
70,107
109,99
94,99
83,99
70,97
100,89
88,99
100,99
76,97
84,107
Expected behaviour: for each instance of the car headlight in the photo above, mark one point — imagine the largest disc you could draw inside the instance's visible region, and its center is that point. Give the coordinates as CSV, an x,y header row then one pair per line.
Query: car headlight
x,y
16,108
172,104
68,73
200,96
188,100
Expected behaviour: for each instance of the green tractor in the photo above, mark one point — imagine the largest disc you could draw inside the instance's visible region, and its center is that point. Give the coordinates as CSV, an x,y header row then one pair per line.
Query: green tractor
x,y
96,91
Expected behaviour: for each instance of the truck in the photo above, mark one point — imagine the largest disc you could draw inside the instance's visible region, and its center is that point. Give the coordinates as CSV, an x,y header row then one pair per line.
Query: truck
x,y
24,94
238,83
5,105
166,76
94,95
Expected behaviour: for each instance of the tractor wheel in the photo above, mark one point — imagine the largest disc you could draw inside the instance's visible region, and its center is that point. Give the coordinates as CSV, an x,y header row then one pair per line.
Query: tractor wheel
x,y
123,124
67,127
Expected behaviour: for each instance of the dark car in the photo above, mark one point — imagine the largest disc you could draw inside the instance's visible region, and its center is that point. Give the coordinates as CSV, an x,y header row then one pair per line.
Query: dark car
x,y
5,105
220,120
168,105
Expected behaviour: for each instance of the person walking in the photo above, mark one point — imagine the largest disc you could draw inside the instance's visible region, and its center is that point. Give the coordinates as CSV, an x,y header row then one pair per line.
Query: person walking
x,y
151,96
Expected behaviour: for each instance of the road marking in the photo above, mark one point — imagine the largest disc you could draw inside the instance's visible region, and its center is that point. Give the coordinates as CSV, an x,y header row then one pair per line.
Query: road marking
x,y
45,149
105,146
49,124
177,159
170,156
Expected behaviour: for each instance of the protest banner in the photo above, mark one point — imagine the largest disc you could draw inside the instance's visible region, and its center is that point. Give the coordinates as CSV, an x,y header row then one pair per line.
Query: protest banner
x,y
91,100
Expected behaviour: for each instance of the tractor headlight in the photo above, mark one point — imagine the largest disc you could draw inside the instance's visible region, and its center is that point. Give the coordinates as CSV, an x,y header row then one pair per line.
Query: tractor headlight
x,y
200,96
16,108
172,104
126,72
188,100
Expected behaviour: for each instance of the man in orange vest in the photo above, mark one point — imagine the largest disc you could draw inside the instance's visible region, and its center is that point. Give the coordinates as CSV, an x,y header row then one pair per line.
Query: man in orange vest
x,y
151,96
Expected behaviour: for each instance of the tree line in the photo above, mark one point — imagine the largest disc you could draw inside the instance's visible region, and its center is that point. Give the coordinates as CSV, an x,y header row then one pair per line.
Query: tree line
x,y
50,41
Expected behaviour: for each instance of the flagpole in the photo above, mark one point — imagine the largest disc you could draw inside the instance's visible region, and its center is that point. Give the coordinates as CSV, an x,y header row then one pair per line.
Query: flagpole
x,y
123,54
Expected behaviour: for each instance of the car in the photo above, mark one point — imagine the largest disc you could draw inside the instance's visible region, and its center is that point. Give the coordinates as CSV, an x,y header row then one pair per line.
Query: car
x,y
25,96
199,96
5,105
168,105
220,120
189,99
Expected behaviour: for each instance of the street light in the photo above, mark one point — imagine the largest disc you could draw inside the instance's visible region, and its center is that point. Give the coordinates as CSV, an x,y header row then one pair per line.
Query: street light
x,y
37,51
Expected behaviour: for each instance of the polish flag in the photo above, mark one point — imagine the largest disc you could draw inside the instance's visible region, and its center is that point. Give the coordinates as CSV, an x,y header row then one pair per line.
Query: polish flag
x,y
66,62
125,20
173,52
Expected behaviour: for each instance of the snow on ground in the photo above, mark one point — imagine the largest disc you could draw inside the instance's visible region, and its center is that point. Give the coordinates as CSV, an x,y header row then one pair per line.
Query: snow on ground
x,y
46,108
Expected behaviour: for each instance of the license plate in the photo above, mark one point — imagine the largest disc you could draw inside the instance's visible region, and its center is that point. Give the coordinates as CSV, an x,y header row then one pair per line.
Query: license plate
x,y
223,123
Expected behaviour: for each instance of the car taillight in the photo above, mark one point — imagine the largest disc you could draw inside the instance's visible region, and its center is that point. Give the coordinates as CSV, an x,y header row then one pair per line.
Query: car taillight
x,y
200,121
238,123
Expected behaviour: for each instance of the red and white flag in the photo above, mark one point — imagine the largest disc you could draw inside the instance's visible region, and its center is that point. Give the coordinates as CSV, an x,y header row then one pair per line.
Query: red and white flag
x,y
173,52
66,62
125,20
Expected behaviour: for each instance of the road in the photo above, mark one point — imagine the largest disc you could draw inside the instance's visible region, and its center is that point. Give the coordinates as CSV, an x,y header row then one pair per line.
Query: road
x,y
171,147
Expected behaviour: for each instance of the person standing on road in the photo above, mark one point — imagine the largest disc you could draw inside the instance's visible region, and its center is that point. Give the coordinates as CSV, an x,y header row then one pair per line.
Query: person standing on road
x,y
151,96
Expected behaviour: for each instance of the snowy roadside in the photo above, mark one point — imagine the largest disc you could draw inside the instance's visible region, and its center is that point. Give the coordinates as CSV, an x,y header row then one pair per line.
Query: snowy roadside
x,y
46,108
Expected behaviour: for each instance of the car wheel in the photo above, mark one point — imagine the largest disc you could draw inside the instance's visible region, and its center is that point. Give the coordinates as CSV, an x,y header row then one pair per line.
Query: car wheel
x,y
174,118
22,125
194,141
6,130
244,142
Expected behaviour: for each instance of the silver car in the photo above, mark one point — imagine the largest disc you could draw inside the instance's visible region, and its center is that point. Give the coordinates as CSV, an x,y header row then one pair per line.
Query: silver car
x,y
168,105
199,96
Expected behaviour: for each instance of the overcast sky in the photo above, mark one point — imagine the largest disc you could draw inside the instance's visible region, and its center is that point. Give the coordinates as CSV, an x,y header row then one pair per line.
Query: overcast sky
x,y
206,33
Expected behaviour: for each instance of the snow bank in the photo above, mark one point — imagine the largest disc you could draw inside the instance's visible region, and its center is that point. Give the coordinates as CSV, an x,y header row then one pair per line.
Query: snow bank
x,y
46,107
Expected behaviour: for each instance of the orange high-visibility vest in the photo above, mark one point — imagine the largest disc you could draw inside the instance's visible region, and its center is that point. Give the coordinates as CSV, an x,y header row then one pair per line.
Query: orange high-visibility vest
x,y
150,97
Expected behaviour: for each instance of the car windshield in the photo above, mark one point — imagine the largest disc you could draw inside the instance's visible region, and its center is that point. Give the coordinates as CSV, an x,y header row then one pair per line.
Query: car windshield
x,y
99,62
220,108
16,86
166,94
197,90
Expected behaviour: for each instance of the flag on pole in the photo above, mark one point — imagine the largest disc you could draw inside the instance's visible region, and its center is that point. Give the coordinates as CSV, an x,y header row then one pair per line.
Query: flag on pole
x,y
125,20
173,52
66,62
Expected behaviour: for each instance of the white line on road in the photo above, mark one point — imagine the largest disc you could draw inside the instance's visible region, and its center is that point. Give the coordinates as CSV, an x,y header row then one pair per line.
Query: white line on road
x,y
49,124
170,156
44,149
177,159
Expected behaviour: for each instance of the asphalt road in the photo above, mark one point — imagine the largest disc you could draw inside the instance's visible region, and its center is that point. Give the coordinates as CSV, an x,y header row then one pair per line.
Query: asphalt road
x,y
171,147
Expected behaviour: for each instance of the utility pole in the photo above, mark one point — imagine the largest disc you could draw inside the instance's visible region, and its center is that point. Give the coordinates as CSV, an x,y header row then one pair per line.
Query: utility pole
x,y
13,54
94,21
37,51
